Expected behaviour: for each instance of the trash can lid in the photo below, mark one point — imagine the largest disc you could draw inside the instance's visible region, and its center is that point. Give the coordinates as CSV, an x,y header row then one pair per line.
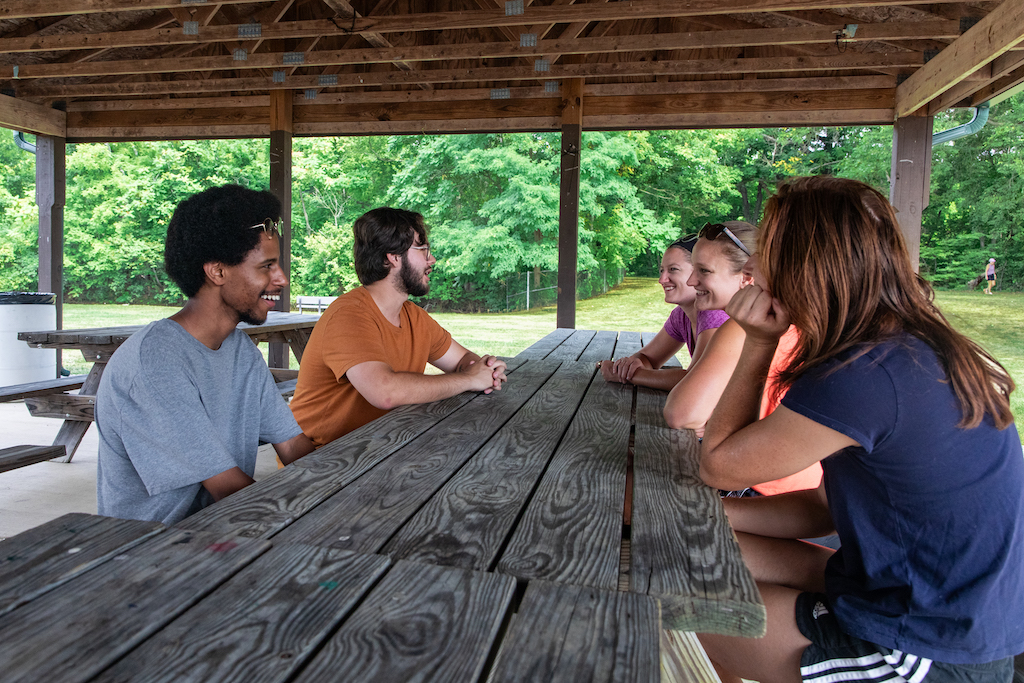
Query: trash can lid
x,y
28,298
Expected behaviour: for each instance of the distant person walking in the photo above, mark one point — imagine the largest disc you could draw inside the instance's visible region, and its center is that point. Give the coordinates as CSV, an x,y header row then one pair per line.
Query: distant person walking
x,y
990,275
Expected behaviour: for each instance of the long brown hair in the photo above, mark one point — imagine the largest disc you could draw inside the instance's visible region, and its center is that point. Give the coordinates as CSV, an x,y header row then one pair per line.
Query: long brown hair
x,y
832,252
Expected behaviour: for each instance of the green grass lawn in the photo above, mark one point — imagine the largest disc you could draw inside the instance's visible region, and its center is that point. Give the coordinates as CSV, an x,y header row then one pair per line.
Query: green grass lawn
x,y
994,321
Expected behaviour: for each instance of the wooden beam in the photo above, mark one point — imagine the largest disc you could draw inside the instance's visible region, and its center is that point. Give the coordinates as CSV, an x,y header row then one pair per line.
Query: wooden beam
x,y
404,55
838,62
577,16
281,187
569,202
998,87
911,177
408,113
996,33
792,85
978,91
51,185
29,117
497,124
377,40
27,9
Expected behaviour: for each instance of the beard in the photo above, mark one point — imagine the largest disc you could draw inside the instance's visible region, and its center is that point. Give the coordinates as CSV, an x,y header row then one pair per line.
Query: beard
x,y
249,318
412,282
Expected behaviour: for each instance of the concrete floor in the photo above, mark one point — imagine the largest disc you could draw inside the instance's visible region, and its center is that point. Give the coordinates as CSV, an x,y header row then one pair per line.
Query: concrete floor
x,y
33,495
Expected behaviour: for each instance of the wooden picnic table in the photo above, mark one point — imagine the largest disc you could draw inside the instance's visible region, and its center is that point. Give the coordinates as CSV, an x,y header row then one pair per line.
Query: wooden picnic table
x,y
482,537
49,399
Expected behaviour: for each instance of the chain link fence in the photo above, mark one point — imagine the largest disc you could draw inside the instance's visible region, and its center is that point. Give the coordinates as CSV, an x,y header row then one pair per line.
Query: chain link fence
x,y
534,289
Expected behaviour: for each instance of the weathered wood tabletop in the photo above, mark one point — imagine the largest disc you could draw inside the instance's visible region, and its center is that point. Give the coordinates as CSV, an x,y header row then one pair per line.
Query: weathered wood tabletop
x,y
98,344
483,537
529,481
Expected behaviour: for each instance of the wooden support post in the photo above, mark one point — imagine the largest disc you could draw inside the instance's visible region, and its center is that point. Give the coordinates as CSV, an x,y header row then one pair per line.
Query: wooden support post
x,y
911,177
569,204
50,193
281,186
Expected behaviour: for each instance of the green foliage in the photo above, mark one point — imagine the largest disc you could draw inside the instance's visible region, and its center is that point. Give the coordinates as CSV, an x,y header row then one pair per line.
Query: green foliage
x,y
334,181
976,209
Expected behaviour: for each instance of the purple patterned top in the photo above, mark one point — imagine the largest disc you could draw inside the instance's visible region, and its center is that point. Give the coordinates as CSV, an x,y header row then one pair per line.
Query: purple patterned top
x,y
678,325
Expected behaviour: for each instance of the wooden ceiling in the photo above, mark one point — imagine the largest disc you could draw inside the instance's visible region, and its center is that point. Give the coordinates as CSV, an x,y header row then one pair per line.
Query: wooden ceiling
x,y
152,69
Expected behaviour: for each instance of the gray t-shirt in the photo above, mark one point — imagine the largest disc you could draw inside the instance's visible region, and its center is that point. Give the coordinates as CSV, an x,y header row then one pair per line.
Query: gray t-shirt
x,y
172,412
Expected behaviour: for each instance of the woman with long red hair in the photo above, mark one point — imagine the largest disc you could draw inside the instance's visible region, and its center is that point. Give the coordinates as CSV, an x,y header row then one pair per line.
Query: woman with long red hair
x,y
923,469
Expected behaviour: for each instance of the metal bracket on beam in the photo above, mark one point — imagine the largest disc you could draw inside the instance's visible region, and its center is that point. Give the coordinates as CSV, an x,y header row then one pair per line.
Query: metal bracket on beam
x,y
514,8
327,79
527,40
240,54
250,30
190,28
966,23
501,93
552,86
542,65
294,58
279,77
310,93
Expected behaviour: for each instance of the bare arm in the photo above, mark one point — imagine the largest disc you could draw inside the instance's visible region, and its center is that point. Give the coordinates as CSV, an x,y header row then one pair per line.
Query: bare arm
x,y
227,482
294,448
666,379
690,403
644,368
739,450
385,388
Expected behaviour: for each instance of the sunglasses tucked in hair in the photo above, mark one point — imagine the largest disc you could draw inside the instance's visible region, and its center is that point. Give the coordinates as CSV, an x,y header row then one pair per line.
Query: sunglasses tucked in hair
x,y
269,226
713,230
685,243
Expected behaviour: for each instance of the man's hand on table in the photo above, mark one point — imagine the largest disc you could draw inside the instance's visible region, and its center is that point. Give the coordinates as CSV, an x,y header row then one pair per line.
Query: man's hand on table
x,y
487,373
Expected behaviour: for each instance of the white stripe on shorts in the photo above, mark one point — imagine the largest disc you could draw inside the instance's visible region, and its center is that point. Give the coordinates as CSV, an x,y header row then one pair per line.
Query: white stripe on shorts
x,y
897,667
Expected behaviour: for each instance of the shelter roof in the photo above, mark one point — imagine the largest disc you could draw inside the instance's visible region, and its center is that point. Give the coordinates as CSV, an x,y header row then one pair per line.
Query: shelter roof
x,y
152,69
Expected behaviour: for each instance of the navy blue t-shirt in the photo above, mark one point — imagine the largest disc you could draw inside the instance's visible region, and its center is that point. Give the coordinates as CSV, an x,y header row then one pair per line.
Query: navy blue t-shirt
x,y
930,516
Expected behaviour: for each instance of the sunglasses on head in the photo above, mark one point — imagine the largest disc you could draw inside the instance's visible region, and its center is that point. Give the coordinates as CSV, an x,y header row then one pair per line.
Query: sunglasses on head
x,y
269,226
713,230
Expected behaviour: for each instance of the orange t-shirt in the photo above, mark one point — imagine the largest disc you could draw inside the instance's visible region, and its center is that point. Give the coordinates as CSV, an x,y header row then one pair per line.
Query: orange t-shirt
x,y
352,331
809,478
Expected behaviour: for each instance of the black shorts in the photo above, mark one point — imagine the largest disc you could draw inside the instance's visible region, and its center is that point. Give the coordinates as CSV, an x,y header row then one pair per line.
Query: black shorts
x,y
990,277
834,656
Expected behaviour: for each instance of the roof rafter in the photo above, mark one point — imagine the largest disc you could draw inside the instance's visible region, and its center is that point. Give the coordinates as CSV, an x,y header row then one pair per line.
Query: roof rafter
x,y
995,34
603,45
451,76
431,21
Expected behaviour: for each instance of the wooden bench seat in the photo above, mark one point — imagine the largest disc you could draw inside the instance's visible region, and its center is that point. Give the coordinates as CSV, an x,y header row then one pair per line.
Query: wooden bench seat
x,y
20,456
17,392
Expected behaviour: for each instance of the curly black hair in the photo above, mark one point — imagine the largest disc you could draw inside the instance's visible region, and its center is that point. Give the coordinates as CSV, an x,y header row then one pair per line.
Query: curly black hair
x,y
214,225
380,232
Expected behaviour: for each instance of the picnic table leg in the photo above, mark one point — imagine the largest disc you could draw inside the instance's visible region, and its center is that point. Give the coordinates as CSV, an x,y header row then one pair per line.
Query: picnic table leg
x,y
72,432
297,341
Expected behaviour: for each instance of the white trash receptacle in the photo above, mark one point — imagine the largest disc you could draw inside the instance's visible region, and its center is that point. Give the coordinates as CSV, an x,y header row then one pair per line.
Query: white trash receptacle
x,y
26,312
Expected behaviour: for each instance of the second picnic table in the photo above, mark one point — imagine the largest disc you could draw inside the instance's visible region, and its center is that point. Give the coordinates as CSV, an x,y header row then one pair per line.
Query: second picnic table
x,y
49,399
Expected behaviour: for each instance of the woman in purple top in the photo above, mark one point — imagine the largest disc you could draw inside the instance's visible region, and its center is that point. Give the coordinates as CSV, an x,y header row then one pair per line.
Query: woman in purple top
x,y
685,325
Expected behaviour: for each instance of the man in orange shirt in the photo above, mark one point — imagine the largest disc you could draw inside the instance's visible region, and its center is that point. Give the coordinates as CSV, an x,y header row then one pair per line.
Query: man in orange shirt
x,y
368,351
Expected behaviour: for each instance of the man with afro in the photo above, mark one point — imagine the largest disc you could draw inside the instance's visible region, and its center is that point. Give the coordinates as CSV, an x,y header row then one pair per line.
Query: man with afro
x,y
185,402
